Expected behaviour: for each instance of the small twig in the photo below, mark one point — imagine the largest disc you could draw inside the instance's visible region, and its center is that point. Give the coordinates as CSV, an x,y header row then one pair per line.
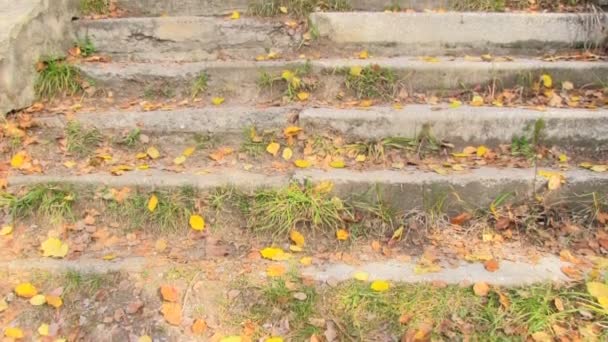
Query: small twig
x,y
190,284
342,330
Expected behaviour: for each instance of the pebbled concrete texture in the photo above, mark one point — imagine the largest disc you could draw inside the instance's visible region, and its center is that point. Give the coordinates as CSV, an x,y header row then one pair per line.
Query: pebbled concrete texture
x,y
418,33
510,273
403,189
185,38
464,125
30,30
238,78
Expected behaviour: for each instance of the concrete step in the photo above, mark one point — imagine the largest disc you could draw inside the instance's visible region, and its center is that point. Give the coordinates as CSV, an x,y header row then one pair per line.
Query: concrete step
x,y
216,8
452,32
238,80
583,130
185,38
404,190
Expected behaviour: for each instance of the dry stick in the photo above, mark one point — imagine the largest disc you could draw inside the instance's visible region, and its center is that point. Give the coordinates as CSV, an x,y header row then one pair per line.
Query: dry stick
x,y
342,330
190,284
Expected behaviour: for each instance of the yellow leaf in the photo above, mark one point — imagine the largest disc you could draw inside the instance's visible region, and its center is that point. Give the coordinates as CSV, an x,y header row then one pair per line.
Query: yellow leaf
x,y
487,58
481,289
295,248
555,181
54,301
430,59
324,187
275,270
291,131
363,54
355,70
426,268
188,151
380,286
153,152
144,338
54,248
306,261
274,253
197,222
303,96
38,300
366,103
360,158
235,15
109,257
599,168
481,151
152,203
342,234
455,104
398,234
18,159
287,75
297,238
361,276
43,329
541,336
141,155
283,9
477,101
274,339
597,289
273,148
287,153
337,164
546,80
216,101
302,163
567,85
13,332
563,158
6,230
26,290
179,160
69,164
603,302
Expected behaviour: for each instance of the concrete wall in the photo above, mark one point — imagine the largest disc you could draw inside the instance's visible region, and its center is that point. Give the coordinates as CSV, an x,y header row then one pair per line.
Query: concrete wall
x,y
30,29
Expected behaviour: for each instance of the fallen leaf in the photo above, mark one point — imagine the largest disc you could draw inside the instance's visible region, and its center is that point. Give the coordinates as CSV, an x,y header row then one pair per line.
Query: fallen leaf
x,y
477,101
275,270
13,332
481,289
291,131
169,293
197,222
199,326
43,329
342,234
274,339
355,70
283,9
274,253
491,265
571,272
306,261
6,230
567,85
541,336
337,164
555,182
54,301
235,15
26,290
152,203
303,96
546,80
363,54
38,300
179,160
287,153
302,163
144,338
461,218
297,238
54,248
481,151
273,148
188,151
216,101
172,312
18,160
361,276
380,285
559,304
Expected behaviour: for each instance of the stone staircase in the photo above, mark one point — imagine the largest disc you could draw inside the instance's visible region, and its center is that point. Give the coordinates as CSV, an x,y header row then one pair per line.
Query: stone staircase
x,y
440,62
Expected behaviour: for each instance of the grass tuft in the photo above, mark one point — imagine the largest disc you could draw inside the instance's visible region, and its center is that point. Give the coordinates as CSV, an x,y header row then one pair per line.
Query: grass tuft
x,y
47,200
86,46
280,210
131,139
200,84
371,82
292,81
79,140
297,8
89,7
57,77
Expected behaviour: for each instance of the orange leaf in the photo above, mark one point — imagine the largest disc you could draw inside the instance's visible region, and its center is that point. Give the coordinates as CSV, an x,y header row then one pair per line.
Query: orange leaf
x,y
461,218
169,293
199,326
481,289
172,312
491,265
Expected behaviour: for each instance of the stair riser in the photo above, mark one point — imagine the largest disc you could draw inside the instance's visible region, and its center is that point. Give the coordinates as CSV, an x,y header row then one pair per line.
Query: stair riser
x,y
432,33
184,38
402,190
238,80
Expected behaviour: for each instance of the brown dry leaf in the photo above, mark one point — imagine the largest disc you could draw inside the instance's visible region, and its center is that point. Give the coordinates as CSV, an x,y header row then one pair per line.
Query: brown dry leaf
x,y
172,312
169,293
221,153
461,218
572,272
504,300
542,336
491,265
559,304
199,326
481,289
405,318
54,301
376,246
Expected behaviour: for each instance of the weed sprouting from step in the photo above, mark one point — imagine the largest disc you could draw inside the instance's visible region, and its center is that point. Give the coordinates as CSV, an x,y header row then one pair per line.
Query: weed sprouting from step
x,y
79,140
57,77
131,139
292,82
88,283
48,201
297,8
86,47
228,196
478,5
253,144
200,84
370,82
279,210
171,214
90,7
527,144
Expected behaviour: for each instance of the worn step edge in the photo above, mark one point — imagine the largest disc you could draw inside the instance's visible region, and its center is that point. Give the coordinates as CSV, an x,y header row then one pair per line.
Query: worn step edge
x,y
239,78
436,32
580,128
510,273
214,7
406,189
81,265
